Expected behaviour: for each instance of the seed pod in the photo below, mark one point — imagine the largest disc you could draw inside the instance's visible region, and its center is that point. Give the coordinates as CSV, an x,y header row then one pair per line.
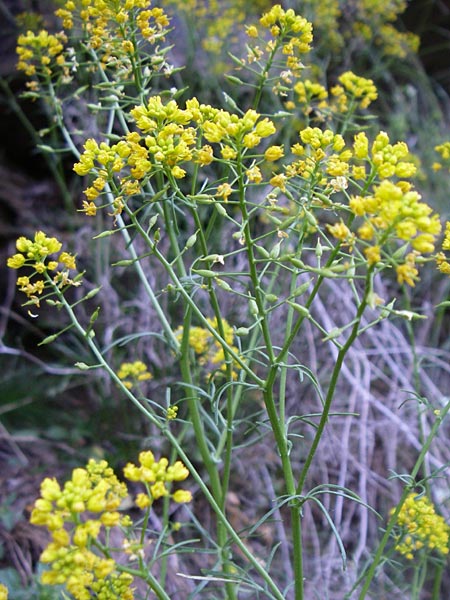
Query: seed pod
x,y
253,307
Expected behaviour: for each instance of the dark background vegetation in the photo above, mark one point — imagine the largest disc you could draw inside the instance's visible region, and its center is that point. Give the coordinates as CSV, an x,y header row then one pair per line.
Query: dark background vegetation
x,y
50,418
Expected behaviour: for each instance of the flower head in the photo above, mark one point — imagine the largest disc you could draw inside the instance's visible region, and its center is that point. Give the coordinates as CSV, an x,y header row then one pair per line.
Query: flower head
x,y
422,529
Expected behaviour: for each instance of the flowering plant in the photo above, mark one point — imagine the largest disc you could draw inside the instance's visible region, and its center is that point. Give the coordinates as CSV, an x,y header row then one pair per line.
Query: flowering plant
x,y
236,223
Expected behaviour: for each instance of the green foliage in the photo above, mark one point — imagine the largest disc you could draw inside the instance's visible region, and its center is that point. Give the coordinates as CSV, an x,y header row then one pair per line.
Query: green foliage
x,y
225,234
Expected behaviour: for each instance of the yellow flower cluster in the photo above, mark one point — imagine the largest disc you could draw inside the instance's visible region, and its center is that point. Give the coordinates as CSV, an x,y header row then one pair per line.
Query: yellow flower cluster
x,y
169,142
442,263
170,137
216,22
391,211
36,255
374,22
234,132
77,514
368,21
210,352
3,592
321,154
157,476
290,33
444,151
41,53
353,90
132,373
387,159
104,162
325,18
395,211
421,528
95,494
111,28
310,95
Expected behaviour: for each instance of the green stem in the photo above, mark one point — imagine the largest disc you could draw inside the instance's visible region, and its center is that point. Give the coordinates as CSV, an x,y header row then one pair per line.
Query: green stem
x,y
174,442
193,402
278,426
265,72
279,434
146,576
192,304
369,574
436,592
333,382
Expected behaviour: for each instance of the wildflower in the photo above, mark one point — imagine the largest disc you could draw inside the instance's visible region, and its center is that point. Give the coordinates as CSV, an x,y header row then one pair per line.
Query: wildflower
x,y
229,153
210,352
204,156
133,373
446,242
407,272
172,413
309,92
160,474
114,29
36,254
441,260
421,528
443,264
341,232
279,181
251,31
293,31
254,174
444,151
361,145
41,53
274,153
182,496
372,254
95,492
224,190
3,592
360,88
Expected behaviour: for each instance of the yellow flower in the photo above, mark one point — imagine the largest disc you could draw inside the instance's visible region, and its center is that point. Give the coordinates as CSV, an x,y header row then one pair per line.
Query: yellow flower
x,y
68,260
407,273
360,88
158,490
224,190
110,519
339,231
143,501
177,472
446,242
228,153
204,156
423,242
273,153
16,261
421,527
442,264
182,496
132,373
251,31
279,181
372,254
361,145
178,172
254,174
172,413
